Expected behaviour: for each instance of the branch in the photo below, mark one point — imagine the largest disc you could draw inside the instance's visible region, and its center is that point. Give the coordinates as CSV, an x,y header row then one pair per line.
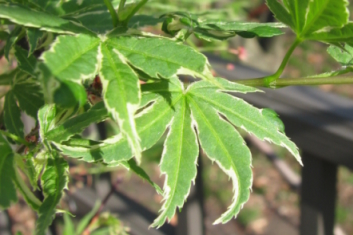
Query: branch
x,y
307,81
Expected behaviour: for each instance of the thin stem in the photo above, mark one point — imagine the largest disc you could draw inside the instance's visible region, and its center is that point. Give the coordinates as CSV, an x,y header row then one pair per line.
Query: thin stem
x,y
15,138
141,4
308,81
112,12
121,7
275,76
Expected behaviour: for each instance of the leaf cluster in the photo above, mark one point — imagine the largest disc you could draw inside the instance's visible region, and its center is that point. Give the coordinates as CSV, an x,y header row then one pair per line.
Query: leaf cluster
x,y
87,62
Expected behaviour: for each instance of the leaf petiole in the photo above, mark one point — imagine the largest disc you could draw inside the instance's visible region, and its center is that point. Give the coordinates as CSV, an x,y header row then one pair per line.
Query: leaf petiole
x,y
272,78
112,12
15,138
141,4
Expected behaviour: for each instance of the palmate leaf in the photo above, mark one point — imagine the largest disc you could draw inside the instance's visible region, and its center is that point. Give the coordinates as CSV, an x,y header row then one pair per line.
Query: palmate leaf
x,y
73,59
54,181
306,17
7,174
202,106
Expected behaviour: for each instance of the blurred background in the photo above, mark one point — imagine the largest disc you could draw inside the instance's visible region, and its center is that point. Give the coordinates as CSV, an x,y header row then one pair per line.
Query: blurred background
x,y
273,207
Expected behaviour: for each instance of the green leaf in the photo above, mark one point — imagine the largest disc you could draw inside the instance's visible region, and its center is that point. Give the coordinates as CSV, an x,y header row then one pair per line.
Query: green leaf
x,y
131,165
97,21
139,21
344,57
33,37
12,115
280,12
335,35
224,145
77,124
25,63
30,97
11,40
161,57
178,162
121,94
46,119
7,78
244,116
151,123
54,181
36,19
27,194
73,58
312,16
7,174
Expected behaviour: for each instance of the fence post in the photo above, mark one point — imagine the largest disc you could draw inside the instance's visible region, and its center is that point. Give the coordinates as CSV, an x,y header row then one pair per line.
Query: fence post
x,y
191,217
318,196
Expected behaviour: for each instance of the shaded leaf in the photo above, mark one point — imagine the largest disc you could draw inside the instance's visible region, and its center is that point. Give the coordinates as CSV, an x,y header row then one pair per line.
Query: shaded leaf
x,y
7,174
54,181
7,78
30,97
12,115
11,40
33,37
25,63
